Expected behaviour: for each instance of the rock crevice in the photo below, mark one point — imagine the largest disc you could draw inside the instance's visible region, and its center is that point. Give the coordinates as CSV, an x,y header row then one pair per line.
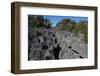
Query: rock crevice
x,y
49,44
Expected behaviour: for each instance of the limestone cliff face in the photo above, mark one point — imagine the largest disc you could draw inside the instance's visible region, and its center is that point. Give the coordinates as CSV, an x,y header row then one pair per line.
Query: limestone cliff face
x,y
49,44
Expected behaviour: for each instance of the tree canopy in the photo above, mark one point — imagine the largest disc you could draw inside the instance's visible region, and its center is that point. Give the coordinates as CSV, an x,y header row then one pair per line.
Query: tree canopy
x,y
74,27
38,21
63,25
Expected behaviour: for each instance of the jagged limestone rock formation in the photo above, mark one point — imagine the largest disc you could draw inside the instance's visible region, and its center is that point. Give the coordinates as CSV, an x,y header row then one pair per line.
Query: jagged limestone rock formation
x,y
49,44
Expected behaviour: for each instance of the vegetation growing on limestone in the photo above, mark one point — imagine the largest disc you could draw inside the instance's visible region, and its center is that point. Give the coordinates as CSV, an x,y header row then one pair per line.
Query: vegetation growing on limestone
x,y
62,25
57,37
72,26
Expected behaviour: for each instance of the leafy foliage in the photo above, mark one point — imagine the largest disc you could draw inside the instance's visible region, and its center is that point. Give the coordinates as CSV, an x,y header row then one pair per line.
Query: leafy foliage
x,y
72,26
63,25
47,23
38,21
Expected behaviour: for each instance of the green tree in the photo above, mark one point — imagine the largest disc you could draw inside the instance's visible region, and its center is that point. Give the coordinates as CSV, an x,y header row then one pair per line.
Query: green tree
x,y
72,26
35,21
47,23
62,24
38,21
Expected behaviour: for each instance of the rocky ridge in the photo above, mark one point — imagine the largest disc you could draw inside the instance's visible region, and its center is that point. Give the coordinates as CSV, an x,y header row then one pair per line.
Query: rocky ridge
x,y
49,44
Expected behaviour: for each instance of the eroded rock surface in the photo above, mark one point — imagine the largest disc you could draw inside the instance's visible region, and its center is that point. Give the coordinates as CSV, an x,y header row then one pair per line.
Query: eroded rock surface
x,y
48,44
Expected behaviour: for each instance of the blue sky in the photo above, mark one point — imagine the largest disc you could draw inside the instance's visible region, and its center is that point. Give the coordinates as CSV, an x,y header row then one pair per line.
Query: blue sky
x,y
56,19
